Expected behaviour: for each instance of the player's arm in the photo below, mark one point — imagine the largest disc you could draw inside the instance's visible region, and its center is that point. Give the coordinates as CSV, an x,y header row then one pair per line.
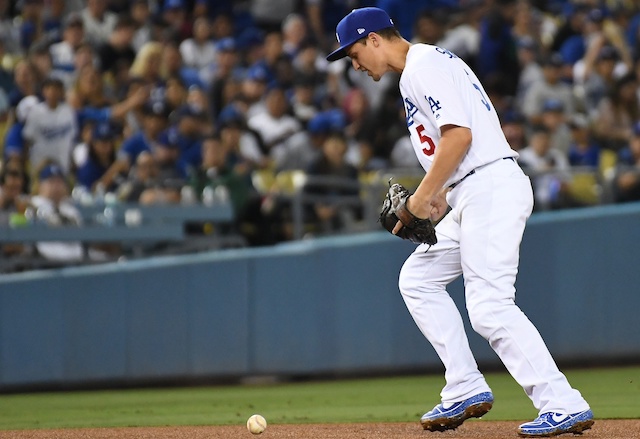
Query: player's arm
x,y
454,144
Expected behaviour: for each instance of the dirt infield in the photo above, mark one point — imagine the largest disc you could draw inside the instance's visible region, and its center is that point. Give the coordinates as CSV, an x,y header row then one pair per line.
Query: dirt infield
x,y
603,429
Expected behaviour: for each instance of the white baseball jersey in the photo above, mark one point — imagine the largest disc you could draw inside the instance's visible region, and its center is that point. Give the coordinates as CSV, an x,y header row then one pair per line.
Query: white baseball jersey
x,y
438,89
52,133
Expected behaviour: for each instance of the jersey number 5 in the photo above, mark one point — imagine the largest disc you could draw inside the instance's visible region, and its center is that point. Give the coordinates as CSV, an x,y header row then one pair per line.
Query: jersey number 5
x,y
430,147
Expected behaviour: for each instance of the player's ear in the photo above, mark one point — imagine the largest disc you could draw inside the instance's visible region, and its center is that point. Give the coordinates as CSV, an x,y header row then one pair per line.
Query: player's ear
x,y
374,38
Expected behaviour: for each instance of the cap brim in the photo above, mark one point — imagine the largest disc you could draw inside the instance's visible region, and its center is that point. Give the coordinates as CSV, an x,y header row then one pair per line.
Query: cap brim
x,y
338,53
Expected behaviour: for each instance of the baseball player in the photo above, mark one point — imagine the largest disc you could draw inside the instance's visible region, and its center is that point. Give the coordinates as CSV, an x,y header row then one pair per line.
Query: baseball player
x,y
470,167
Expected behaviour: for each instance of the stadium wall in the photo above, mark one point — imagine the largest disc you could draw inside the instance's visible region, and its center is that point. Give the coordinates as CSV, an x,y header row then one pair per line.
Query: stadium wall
x,y
325,306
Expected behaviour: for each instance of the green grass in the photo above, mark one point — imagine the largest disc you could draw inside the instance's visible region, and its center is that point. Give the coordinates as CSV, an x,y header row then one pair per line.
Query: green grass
x,y
612,393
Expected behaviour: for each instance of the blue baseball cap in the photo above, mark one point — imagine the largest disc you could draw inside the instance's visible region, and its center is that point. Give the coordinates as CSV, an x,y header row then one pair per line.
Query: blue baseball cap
x,y
356,25
51,170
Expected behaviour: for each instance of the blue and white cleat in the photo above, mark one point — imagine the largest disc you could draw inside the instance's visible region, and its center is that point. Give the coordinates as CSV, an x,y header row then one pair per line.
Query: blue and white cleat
x,y
450,418
553,424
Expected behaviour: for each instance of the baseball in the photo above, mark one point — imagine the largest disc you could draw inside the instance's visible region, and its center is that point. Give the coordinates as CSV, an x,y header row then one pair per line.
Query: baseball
x,y
256,424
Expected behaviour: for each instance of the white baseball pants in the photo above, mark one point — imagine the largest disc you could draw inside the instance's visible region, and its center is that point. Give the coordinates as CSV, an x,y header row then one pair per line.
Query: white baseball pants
x,y
480,239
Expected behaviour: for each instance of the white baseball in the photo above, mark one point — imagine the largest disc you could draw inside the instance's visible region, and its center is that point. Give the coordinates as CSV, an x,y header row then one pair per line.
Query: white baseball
x,y
256,424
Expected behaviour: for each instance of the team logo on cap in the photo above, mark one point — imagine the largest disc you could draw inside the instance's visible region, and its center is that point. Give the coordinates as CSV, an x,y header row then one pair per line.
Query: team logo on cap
x,y
360,30
337,37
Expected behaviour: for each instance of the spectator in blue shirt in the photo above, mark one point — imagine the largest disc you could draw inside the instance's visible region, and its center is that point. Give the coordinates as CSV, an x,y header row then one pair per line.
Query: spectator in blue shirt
x,y
583,150
102,155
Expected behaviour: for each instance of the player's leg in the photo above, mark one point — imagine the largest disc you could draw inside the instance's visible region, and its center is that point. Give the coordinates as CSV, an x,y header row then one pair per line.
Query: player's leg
x,y
495,208
423,280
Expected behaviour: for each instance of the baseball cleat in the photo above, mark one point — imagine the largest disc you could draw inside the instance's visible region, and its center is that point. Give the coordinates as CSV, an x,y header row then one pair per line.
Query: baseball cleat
x,y
450,418
554,424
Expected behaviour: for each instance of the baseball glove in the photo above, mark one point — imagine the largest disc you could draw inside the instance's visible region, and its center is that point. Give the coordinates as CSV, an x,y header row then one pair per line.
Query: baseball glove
x,y
394,209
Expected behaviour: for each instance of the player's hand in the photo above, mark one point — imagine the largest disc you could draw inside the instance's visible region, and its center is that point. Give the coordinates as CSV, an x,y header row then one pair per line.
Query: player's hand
x,y
439,207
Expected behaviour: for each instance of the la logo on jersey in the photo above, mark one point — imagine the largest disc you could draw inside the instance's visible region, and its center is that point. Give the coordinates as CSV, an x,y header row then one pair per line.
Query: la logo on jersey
x,y
435,106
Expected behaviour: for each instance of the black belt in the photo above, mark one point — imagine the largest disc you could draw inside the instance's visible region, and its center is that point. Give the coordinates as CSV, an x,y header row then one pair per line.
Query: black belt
x,y
473,171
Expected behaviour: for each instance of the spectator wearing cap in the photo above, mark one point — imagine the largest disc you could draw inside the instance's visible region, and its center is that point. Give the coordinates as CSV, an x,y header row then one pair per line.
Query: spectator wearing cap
x,y
275,125
186,134
98,22
51,127
116,55
224,70
514,129
617,112
273,52
101,157
583,150
155,120
554,118
144,184
551,87
54,206
598,77
174,15
200,50
14,144
63,53
254,86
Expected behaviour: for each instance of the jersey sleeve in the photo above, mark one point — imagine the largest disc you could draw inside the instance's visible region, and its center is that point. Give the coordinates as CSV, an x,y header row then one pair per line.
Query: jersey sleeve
x,y
437,94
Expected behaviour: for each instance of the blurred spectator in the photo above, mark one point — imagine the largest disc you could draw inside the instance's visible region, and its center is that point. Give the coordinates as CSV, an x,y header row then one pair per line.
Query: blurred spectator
x,y
143,184
88,90
243,145
530,69
223,25
31,23
187,133
360,120
429,28
155,120
63,53
172,65
583,150
54,207
329,215
269,14
176,93
220,72
599,77
402,154
200,51
303,100
218,174
14,144
40,58
6,78
554,119
101,156
617,112
98,22
13,189
25,82
294,34
498,47
117,54
174,15
147,67
254,89
463,35
514,129
51,127
550,88
141,15
547,167
9,32
275,125
627,177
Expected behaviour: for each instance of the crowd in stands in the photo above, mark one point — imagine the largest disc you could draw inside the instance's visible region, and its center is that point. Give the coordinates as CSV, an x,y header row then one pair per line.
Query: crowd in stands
x,y
157,101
